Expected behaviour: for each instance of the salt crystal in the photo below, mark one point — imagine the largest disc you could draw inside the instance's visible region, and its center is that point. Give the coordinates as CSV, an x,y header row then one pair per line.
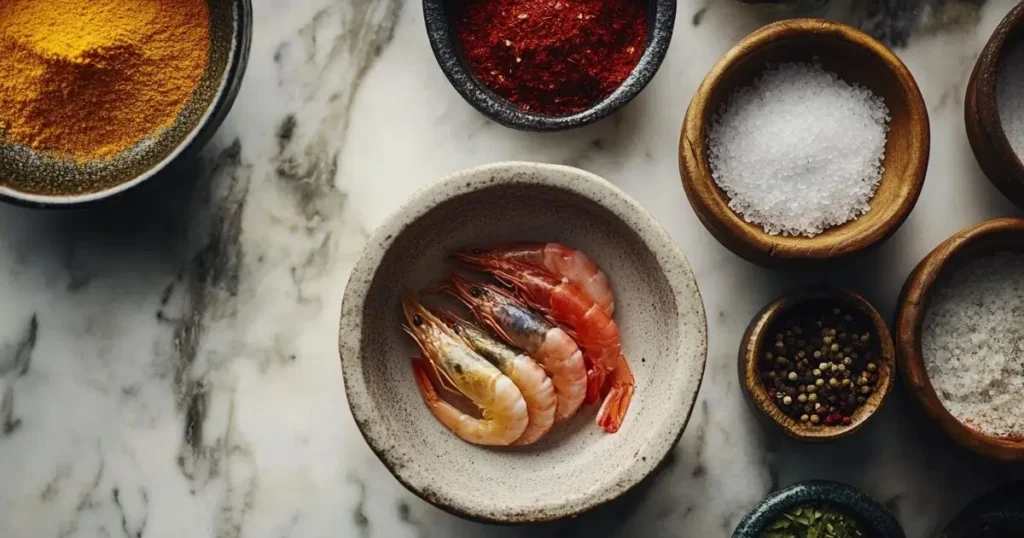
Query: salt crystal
x,y
972,341
800,150
1010,94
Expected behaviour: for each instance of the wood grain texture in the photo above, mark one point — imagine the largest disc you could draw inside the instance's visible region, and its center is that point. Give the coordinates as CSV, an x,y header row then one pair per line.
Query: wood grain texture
x,y
998,234
985,132
857,58
759,329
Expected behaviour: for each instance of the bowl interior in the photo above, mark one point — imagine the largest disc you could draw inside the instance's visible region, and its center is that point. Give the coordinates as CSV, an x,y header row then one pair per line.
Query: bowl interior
x,y
985,240
37,177
440,16
856,63
765,326
662,334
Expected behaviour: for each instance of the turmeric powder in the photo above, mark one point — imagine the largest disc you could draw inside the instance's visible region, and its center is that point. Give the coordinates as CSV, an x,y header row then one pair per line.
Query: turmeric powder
x,y
88,79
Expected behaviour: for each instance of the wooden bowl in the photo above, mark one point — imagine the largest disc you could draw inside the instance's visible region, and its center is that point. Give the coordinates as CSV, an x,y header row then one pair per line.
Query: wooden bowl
x,y
857,58
760,328
984,129
1006,233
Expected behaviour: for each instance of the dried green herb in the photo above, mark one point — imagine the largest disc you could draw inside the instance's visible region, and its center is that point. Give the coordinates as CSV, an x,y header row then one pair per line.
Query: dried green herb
x,y
814,521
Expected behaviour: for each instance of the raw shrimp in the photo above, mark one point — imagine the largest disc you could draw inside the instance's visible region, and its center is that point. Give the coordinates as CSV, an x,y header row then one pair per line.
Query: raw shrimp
x,y
460,369
557,258
531,379
592,328
518,326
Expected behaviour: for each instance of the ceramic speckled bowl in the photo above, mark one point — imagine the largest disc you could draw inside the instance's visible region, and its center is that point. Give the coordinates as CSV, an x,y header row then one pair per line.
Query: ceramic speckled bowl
x,y
577,466
877,521
661,17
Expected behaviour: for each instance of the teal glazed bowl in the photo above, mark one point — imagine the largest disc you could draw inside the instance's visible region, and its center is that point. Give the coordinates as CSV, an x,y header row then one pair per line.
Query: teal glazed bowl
x,y
661,16
876,520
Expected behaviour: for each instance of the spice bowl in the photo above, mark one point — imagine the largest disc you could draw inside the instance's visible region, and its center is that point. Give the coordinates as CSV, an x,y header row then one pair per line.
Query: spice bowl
x,y
47,179
874,519
996,514
658,311
757,349
439,16
857,59
985,129
1005,234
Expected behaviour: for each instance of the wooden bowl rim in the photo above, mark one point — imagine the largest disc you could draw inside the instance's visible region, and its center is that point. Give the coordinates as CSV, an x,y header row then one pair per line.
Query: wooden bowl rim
x,y
910,314
702,190
752,345
986,110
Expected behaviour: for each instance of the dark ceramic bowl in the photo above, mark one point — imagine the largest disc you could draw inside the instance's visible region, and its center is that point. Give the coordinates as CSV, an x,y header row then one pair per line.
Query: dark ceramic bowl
x,y
1000,513
661,16
877,521
36,180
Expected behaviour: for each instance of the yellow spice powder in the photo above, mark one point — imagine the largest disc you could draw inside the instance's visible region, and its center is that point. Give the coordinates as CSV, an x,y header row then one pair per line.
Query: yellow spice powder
x,y
88,79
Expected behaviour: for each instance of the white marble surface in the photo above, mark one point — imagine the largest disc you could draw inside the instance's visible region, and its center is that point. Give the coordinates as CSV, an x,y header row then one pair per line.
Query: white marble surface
x,y
168,364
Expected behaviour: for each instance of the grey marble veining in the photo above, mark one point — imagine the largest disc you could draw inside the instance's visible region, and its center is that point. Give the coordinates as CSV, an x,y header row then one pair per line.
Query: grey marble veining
x,y
168,364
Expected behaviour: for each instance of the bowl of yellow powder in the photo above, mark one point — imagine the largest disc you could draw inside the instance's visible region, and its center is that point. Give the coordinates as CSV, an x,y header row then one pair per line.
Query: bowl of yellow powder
x,y
97,96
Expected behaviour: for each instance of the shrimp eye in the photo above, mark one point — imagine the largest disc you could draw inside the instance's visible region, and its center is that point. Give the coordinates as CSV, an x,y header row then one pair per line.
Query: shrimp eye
x,y
417,320
478,251
476,292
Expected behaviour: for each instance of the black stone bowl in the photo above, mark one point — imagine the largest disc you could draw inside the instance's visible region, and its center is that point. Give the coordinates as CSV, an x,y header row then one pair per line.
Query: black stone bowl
x,y
877,521
661,16
1000,513
36,180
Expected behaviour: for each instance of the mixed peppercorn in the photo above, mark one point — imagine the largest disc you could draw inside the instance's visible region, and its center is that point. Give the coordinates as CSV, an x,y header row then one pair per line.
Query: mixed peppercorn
x,y
819,365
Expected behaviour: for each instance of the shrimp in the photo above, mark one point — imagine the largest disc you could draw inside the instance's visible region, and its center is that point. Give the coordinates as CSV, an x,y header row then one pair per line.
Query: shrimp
x,y
592,328
532,380
557,258
518,326
501,403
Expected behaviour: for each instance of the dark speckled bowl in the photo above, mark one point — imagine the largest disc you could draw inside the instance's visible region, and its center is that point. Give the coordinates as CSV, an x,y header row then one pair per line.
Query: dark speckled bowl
x,y
1000,511
876,519
661,16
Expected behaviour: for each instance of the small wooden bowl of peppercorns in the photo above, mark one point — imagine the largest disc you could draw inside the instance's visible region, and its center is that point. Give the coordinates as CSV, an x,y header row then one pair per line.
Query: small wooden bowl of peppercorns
x,y
818,362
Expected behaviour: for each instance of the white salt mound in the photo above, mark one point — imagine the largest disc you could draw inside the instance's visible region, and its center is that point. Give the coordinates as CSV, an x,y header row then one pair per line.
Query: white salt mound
x,y
973,343
1010,94
800,150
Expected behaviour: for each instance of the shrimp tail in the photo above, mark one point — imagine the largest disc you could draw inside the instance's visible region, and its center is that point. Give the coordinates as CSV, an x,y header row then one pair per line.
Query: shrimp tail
x,y
613,410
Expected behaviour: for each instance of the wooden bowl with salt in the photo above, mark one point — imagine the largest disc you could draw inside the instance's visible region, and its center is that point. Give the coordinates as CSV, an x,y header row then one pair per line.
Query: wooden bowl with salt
x,y
764,325
858,59
987,134
982,239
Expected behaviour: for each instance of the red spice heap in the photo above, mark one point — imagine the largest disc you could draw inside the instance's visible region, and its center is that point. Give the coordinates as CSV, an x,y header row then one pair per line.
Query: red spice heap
x,y
552,57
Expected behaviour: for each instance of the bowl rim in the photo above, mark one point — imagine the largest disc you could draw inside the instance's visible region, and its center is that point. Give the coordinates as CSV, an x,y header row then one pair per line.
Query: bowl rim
x,y
198,137
670,258
480,97
910,314
711,204
991,147
1006,496
844,496
751,346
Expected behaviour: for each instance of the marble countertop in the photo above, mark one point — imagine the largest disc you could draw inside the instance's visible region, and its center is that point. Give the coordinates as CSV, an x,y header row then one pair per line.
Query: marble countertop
x,y
168,362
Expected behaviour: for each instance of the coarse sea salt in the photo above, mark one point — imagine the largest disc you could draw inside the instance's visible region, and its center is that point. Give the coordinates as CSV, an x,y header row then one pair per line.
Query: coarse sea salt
x,y
800,150
1010,94
973,343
